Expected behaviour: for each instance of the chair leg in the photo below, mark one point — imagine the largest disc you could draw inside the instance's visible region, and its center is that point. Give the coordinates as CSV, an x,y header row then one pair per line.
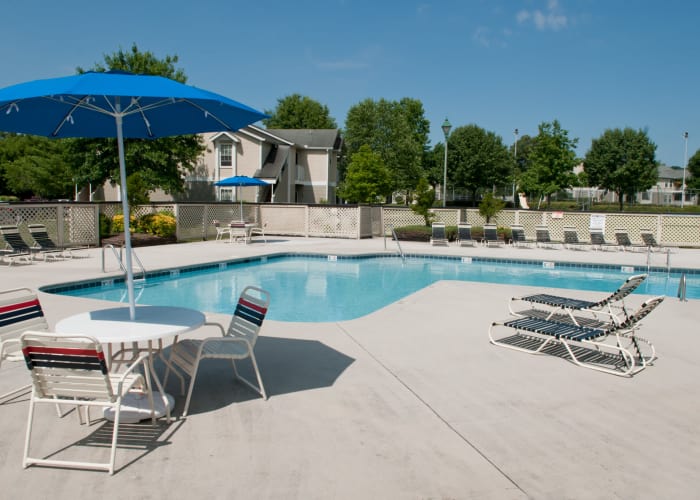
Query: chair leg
x,y
27,439
260,389
195,368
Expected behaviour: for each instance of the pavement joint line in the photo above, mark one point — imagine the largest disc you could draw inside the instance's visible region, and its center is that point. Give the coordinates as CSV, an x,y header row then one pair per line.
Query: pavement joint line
x,y
433,411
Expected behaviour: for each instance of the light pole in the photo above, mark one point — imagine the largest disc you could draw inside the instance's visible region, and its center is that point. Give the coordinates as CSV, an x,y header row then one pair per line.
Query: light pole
x,y
685,166
515,163
446,127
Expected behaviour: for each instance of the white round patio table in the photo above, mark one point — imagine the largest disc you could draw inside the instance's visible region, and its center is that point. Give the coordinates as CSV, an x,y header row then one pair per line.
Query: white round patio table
x,y
152,323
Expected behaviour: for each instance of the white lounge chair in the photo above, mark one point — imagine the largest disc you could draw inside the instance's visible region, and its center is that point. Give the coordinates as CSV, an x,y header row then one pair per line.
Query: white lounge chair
x,y
439,235
491,236
464,235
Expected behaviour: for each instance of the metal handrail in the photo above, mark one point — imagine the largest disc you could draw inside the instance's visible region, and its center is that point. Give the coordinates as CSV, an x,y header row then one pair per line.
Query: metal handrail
x,y
119,257
681,288
398,244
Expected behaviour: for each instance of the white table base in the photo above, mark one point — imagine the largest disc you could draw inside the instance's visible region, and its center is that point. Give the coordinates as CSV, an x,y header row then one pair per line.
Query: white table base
x,y
135,407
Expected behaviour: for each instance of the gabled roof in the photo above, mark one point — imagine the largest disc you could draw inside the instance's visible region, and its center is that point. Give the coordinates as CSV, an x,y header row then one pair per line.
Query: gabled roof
x,y
324,138
672,172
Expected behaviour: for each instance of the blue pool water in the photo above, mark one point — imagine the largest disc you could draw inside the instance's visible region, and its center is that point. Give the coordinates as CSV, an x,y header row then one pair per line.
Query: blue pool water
x,y
312,289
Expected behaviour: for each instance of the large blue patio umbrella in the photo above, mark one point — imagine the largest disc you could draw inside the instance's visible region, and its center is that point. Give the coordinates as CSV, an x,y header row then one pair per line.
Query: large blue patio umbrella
x,y
118,104
240,181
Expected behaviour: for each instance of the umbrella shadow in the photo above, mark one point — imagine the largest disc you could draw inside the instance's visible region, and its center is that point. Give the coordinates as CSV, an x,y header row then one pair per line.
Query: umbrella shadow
x,y
286,366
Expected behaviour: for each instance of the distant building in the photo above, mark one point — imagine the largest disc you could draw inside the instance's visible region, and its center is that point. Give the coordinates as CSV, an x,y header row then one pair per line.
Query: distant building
x,y
300,166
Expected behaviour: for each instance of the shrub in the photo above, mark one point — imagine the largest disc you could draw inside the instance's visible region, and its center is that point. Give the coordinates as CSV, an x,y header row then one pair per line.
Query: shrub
x,y
160,224
118,223
105,226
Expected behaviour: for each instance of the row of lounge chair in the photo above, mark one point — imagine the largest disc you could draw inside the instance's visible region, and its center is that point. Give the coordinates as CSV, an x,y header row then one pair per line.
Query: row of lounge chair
x,y
599,335
543,239
16,249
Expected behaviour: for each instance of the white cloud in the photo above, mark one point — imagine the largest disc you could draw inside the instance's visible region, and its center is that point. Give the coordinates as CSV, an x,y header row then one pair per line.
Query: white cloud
x,y
552,19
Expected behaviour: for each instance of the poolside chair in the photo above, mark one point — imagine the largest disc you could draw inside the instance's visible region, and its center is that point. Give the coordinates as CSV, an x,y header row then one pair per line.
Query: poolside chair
x,y
43,241
587,346
236,343
518,238
259,230
648,238
571,240
543,239
15,243
73,369
438,236
609,307
624,242
464,235
20,310
598,241
221,231
491,236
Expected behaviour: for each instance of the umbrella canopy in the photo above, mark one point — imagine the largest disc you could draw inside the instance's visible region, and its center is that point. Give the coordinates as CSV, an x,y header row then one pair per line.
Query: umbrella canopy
x,y
240,181
118,104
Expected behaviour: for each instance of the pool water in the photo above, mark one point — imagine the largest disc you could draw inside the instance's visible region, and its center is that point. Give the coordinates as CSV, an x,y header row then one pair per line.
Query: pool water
x,y
314,289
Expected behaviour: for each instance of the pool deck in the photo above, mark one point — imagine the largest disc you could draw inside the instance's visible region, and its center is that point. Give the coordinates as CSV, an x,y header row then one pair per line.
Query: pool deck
x,y
409,402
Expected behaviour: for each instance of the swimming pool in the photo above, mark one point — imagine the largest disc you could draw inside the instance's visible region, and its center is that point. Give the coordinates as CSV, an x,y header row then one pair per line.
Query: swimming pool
x,y
317,288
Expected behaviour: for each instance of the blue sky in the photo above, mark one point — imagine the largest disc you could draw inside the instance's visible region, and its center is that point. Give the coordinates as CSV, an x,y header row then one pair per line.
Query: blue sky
x,y
591,64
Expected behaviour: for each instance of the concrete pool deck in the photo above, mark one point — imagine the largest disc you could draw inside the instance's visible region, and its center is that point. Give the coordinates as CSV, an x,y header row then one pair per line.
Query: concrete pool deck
x,y
410,401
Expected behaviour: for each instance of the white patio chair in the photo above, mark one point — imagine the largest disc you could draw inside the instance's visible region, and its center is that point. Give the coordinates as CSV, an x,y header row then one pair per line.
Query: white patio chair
x,y
238,342
221,231
20,311
259,231
73,369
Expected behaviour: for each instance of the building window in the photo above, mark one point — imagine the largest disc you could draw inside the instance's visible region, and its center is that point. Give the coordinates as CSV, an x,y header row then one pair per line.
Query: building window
x,y
226,194
226,155
645,196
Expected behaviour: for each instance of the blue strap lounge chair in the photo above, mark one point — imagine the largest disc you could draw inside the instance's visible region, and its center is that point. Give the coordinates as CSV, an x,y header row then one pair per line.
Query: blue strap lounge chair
x,y
464,235
491,236
438,236
571,240
608,347
609,306
518,238
44,243
15,243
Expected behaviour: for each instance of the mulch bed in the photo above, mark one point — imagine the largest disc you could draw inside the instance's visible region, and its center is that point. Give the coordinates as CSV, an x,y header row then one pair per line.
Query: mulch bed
x,y
138,240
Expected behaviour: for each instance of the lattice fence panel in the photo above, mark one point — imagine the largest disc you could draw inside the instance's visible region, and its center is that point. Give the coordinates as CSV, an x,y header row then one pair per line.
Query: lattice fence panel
x,y
80,227
679,230
581,222
449,216
339,222
633,224
190,222
474,218
400,217
529,221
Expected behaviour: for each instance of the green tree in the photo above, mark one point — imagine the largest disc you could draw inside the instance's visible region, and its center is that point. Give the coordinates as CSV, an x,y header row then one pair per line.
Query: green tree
x,y
525,145
397,131
550,163
622,161
367,180
424,200
296,111
692,181
35,166
490,206
160,162
477,159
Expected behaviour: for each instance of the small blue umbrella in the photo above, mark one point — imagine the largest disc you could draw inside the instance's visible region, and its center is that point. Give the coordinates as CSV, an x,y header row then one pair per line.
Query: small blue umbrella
x,y
116,103
240,181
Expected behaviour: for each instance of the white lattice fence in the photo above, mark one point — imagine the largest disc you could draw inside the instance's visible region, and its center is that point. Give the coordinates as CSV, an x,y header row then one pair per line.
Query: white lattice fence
x,y
284,219
338,222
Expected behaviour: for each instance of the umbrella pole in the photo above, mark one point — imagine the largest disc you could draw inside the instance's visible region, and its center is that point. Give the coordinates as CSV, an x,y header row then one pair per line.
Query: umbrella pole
x,y
125,209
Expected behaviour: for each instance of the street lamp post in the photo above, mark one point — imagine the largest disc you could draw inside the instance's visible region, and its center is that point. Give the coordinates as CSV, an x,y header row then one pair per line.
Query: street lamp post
x,y
515,163
446,127
685,167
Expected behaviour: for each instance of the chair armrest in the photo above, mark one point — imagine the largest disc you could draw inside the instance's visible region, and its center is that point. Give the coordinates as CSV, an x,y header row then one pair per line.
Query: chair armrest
x,y
219,325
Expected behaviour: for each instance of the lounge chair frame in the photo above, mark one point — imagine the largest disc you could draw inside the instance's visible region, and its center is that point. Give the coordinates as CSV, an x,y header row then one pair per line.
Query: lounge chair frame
x,y
535,334
611,308
464,235
598,241
518,238
543,239
43,242
491,236
438,235
571,241
16,244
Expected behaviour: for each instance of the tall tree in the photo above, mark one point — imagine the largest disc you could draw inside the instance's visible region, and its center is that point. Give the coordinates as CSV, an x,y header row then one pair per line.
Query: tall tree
x,y
35,166
693,180
622,161
477,159
551,162
367,180
397,131
160,162
296,111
